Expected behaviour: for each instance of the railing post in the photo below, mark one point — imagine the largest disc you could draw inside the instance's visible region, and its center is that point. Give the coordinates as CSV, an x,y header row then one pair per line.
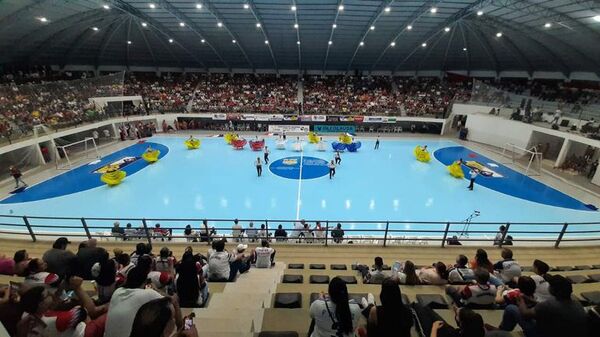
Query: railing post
x,y
26,221
326,232
387,227
146,230
85,228
267,229
560,236
445,234
504,234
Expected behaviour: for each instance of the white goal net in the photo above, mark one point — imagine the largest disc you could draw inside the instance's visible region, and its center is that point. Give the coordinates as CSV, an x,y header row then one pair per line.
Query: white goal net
x,y
528,159
69,155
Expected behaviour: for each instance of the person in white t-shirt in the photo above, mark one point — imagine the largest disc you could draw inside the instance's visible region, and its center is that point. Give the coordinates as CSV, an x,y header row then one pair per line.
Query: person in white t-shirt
x,y
335,314
542,287
298,229
264,256
128,300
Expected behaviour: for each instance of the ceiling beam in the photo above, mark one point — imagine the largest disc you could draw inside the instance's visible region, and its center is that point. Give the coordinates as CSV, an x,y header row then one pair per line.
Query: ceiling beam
x,y
263,29
146,43
485,45
448,49
19,13
106,39
430,48
213,11
337,14
165,47
299,48
367,29
128,46
511,46
467,45
164,31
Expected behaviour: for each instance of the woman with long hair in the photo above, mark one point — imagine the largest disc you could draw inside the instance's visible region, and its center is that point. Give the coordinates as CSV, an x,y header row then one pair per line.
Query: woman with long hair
x,y
392,318
105,276
481,261
154,319
334,315
192,289
408,275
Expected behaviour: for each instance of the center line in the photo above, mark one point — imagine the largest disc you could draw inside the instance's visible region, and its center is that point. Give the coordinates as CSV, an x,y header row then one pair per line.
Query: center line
x,y
299,185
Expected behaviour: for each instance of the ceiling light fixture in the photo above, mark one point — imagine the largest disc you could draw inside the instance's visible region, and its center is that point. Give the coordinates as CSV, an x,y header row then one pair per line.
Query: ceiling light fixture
x,y
95,29
233,41
424,44
296,25
107,7
596,18
409,27
499,34
294,8
433,10
203,40
170,40
361,43
464,49
547,25
43,19
387,9
219,24
258,25
479,13
341,8
128,42
266,41
151,5
372,28
393,44
144,24
330,42
198,6
447,29
298,42
181,24
334,26
246,6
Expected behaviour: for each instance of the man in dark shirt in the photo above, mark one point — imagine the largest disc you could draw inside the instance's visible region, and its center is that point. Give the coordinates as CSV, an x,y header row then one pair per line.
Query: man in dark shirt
x,y
280,234
87,255
337,233
59,259
558,316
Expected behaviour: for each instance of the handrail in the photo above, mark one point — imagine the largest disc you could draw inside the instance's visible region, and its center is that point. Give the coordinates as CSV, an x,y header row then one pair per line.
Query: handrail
x,y
386,232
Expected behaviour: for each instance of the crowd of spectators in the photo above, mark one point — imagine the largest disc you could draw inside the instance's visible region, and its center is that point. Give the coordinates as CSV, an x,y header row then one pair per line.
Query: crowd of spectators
x,y
246,93
51,301
165,93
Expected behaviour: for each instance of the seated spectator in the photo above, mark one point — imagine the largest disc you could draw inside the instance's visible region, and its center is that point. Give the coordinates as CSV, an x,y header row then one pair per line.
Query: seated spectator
x,y
141,249
224,266
129,299
124,267
104,273
189,234
161,233
407,274
542,291
480,294
205,232
334,314
37,274
512,316
375,275
499,239
117,231
481,261
558,316
87,255
392,318
507,269
470,323
252,232
192,289
263,234
338,233
130,232
264,256
165,262
157,318
435,275
161,281
461,272
236,230
15,265
280,234
59,259
453,241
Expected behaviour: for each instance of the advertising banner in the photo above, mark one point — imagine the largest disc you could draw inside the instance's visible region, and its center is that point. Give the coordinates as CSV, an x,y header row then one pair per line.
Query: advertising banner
x,y
219,117
289,128
335,129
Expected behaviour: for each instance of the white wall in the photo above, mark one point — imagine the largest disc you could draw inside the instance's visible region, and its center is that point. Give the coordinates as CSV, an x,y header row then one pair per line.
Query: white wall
x,y
497,131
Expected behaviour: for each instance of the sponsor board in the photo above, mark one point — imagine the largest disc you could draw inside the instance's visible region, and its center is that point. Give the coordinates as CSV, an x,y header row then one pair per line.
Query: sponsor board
x,y
289,128
335,128
219,117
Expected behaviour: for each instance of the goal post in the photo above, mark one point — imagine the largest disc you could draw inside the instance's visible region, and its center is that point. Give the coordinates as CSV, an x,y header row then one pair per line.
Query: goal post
x,y
529,159
69,155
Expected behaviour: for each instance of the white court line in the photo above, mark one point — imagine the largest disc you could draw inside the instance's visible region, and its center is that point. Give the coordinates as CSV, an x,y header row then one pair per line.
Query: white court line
x,y
299,186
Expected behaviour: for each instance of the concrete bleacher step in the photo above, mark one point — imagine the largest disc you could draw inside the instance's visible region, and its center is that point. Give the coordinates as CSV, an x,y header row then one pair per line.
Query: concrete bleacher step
x,y
229,324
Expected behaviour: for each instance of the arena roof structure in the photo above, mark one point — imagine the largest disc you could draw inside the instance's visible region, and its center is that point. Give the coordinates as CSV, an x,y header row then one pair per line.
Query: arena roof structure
x,y
326,35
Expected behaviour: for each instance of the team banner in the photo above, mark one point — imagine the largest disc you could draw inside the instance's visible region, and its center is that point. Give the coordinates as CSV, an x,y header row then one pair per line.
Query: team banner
x,y
289,128
335,129
219,117
276,118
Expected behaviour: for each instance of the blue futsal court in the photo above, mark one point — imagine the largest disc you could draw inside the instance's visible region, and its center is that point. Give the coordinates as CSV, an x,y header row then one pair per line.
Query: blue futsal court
x,y
219,182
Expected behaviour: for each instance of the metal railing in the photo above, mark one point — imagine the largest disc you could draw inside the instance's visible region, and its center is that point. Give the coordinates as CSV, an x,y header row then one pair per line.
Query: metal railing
x,y
381,233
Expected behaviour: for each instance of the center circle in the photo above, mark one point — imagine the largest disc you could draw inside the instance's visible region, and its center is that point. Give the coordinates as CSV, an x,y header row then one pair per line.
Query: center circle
x,y
289,167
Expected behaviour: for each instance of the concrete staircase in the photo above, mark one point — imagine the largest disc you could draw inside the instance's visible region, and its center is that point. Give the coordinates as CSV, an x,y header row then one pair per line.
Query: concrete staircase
x,y
238,310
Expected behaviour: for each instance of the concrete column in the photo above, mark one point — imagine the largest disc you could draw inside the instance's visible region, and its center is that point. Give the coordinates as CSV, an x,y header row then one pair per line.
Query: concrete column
x,y
562,155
